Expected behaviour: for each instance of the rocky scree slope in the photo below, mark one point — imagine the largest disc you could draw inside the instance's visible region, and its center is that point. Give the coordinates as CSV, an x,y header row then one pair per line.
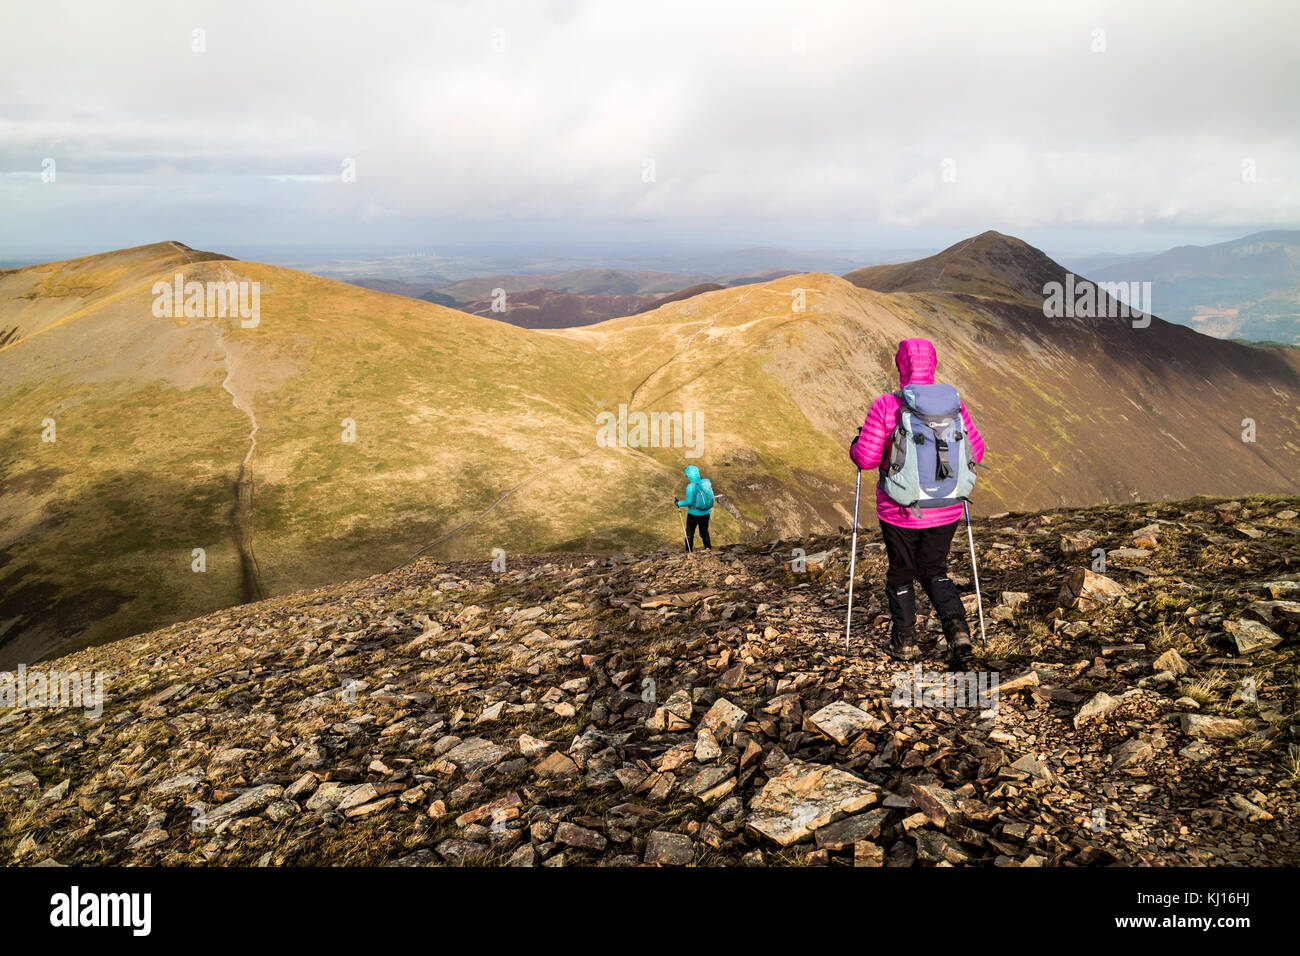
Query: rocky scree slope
x,y
673,709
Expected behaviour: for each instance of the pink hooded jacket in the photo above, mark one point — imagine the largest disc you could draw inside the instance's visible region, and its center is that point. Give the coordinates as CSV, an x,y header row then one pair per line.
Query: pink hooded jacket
x,y
916,361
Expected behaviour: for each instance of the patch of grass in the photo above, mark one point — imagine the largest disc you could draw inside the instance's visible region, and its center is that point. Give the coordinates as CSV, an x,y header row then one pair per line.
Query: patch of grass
x,y
1291,762
1163,638
1010,643
1205,689
1253,743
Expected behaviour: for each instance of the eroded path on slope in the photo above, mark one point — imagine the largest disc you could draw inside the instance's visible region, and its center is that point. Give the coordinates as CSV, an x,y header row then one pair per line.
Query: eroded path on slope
x,y
241,514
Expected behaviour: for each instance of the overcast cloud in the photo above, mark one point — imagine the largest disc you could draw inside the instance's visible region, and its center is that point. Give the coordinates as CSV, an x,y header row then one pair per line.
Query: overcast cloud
x,y
789,123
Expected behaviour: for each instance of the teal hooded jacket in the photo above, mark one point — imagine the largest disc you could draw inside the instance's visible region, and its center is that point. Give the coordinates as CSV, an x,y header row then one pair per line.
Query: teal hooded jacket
x,y
695,483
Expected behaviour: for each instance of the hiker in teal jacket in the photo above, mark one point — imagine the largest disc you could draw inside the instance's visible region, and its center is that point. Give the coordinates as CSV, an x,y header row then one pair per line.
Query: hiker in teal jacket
x,y
699,505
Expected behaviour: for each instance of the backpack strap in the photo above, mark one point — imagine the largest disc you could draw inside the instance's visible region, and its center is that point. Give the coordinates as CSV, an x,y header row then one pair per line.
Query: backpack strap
x,y
897,449
943,465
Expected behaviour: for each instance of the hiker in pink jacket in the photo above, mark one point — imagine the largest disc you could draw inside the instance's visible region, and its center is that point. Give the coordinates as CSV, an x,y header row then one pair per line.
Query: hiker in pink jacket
x,y
916,541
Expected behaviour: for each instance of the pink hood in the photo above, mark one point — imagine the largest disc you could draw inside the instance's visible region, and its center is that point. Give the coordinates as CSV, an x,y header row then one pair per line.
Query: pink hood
x,y
916,361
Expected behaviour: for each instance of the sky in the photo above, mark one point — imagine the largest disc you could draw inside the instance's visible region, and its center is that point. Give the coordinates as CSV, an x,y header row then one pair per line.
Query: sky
x,y
1080,127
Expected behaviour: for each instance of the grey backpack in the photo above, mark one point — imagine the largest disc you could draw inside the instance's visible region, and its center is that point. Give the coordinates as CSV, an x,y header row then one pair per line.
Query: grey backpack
x,y
929,463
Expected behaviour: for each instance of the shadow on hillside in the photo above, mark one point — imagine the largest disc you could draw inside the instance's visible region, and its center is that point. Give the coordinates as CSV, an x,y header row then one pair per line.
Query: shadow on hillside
x,y
79,564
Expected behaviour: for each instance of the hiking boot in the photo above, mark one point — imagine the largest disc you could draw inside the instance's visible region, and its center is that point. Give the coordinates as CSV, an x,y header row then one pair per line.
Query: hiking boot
x,y
959,647
902,645
947,604
902,614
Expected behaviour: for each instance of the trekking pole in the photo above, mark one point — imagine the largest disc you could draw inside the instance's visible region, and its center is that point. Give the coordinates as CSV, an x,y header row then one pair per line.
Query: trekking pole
x,y
853,558
979,601
682,522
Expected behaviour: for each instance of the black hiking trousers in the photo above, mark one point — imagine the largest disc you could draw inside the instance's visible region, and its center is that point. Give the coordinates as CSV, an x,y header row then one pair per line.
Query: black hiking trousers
x,y
701,522
921,554
916,554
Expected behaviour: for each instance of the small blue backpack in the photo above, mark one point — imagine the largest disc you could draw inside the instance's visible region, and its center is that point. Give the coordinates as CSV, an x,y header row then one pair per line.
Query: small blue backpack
x,y
703,495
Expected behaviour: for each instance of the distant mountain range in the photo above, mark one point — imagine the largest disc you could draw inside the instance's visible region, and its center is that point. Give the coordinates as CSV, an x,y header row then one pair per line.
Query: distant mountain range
x,y
538,297
158,464
578,282
1248,288
547,309
567,299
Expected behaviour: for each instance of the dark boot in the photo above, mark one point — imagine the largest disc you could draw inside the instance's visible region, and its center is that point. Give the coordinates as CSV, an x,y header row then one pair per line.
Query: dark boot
x,y
952,615
959,650
902,633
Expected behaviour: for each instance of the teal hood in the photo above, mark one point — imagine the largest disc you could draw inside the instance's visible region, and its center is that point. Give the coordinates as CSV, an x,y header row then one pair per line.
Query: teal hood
x,y
699,493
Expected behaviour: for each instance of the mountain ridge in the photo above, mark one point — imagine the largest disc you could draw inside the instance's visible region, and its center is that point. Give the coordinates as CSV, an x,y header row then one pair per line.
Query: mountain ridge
x,y
472,435
990,264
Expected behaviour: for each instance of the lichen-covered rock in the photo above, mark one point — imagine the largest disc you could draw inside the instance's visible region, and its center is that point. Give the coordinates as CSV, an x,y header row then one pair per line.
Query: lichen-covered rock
x,y
804,797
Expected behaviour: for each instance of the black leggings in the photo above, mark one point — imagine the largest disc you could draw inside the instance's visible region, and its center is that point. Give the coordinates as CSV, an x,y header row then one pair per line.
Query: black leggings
x,y
701,522
916,553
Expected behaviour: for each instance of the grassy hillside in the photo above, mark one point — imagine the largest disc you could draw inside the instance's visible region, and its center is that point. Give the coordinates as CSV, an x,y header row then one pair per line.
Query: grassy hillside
x,y
472,434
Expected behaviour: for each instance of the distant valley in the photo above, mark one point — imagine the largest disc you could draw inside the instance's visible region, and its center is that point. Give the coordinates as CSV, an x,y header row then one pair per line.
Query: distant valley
x,y
1248,288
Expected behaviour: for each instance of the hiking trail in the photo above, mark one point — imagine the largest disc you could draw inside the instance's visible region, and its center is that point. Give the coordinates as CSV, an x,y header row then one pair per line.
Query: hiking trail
x,y
241,512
